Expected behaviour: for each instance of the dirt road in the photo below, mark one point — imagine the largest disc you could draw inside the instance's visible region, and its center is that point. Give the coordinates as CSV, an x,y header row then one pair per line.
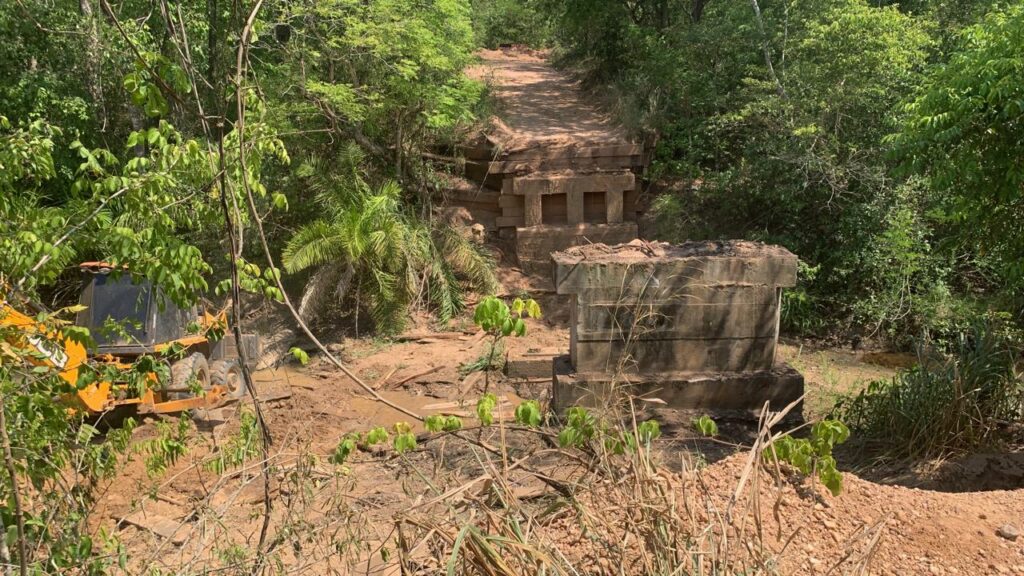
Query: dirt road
x,y
540,104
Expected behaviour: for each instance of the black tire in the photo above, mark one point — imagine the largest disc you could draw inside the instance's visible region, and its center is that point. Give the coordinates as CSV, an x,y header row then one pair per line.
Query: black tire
x,y
228,373
186,372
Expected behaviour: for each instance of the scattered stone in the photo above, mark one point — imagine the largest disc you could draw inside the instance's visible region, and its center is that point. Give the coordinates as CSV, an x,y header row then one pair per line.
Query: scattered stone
x,y
1009,532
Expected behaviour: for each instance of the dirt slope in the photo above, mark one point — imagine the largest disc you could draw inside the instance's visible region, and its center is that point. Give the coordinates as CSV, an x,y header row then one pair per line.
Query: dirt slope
x,y
539,104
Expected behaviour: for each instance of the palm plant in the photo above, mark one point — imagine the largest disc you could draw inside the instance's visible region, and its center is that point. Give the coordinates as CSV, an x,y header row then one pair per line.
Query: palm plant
x,y
369,242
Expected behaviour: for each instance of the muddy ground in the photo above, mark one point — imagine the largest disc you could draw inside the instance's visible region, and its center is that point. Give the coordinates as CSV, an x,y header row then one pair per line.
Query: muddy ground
x,y
191,517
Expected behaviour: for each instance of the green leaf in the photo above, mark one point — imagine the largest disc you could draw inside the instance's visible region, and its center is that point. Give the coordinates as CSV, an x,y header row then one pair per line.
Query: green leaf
x,y
831,479
434,423
706,426
485,408
346,446
648,431
569,437
528,413
280,201
299,354
377,435
404,442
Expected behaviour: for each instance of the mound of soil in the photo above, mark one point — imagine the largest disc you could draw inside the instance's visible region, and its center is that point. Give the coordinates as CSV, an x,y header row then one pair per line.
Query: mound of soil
x,y
794,527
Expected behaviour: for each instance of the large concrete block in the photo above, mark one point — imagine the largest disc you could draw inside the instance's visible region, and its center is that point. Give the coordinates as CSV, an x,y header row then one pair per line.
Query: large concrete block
x,y
535,244
569,182
779,387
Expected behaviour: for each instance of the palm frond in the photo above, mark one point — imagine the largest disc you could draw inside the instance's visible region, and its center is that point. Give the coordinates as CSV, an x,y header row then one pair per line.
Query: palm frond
x,y
315,244
468,260
398,261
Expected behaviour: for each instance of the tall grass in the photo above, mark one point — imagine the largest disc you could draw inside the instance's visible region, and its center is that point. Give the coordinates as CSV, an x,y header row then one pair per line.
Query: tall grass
x,y
947,404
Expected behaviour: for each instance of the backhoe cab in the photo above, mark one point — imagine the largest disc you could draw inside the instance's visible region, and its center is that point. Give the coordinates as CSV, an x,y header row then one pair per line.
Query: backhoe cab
x,y
128,319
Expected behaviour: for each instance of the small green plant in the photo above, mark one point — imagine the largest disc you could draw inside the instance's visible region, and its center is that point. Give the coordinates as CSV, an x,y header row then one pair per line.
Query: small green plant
x,y
813,456
299,355
346,446
528,413
489,360
495,318
240,448
706,426
485,409
648,431
580,428
439,423
376,435
404,439
165,450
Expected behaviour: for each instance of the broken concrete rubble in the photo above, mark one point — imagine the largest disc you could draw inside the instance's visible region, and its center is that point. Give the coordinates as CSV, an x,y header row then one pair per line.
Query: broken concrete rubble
x,y
694,324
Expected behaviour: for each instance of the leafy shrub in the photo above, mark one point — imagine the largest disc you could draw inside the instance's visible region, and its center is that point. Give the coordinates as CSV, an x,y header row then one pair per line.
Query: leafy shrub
x,y
946,404
706,426
813,456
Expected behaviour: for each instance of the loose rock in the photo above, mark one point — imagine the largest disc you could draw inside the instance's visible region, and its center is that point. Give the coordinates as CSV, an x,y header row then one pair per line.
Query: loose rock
x,y
1009,532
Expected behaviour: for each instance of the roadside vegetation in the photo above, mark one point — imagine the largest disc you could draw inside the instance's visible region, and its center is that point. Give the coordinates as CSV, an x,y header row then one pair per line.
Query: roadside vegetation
x,y
875,140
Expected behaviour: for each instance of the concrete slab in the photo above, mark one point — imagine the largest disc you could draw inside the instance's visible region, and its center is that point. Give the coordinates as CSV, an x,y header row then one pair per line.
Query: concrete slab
x,y
637,266
779,386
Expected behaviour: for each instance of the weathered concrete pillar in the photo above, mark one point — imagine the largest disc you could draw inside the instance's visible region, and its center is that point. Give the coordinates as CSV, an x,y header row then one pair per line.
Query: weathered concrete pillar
x,y
694,324
532,210
613,203
574,206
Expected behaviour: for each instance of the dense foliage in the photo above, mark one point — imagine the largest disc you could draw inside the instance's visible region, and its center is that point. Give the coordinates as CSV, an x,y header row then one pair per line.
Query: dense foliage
x,y
873,140
196,143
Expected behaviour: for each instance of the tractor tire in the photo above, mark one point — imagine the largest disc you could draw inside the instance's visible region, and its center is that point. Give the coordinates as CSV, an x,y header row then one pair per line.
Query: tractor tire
x,y
228,373
186,372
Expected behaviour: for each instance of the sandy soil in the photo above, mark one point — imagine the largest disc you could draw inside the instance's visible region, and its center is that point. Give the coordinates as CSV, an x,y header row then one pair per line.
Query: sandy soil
x,y
539,104
894,529
802,529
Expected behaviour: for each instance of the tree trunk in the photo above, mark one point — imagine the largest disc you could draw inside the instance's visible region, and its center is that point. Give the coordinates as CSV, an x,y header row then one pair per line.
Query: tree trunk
x,y
697,10
212,31
93,61
767,52
330,281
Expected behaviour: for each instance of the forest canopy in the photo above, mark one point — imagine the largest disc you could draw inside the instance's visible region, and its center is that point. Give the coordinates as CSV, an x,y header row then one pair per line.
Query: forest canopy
x,y
879,141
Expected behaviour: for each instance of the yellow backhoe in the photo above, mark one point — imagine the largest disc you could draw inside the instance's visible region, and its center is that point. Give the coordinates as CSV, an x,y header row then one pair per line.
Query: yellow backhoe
x,y
128,319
